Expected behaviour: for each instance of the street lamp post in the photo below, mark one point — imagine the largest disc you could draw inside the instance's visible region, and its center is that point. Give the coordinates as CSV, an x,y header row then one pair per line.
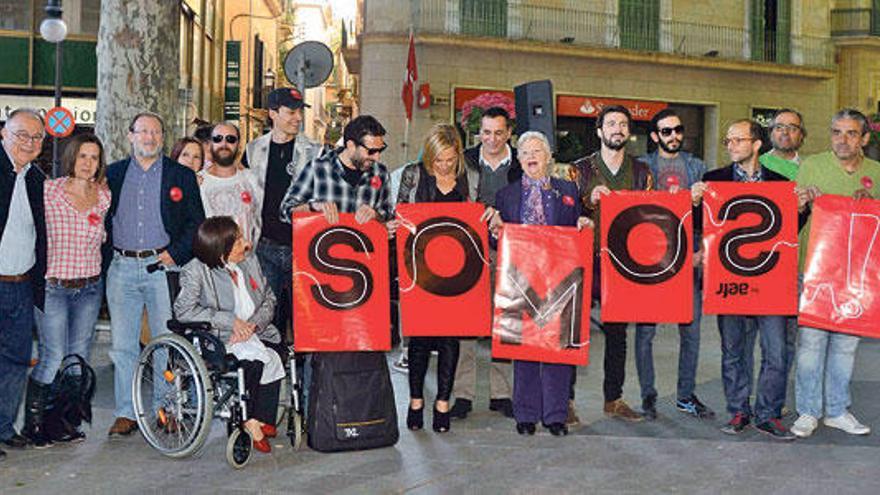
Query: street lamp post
x,y
53,29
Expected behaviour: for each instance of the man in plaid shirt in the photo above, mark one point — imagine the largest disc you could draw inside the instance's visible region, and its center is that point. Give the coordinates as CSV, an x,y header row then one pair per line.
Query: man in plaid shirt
x,y
348,179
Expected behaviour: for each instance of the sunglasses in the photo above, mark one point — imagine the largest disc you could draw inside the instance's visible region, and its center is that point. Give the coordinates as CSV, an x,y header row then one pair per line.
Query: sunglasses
x,y
373,151
229,138
667,131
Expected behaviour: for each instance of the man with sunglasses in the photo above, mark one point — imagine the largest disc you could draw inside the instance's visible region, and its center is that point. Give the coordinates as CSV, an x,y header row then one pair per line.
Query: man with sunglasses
x,y
226,190
673,169
22,260
274,160
787,135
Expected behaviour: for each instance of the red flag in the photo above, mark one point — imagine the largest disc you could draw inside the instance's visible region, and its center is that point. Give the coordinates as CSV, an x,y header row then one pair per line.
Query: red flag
x,y
409,78
444,270
340,285
750,242
646,247
542,294
841,275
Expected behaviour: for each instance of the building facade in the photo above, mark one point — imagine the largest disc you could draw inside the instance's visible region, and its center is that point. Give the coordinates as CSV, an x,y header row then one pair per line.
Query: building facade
x,y
714,61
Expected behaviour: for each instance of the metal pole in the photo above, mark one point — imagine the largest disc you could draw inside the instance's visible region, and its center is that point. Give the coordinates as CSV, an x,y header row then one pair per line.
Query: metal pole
x,y
56,163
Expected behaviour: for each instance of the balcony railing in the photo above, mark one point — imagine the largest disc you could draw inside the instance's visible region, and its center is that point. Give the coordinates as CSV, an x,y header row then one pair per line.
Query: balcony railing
x,y
586,28
855,22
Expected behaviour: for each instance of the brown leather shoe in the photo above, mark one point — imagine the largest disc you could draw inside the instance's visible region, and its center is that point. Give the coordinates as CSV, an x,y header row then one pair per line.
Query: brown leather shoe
x,y
572,418
123,427
619,409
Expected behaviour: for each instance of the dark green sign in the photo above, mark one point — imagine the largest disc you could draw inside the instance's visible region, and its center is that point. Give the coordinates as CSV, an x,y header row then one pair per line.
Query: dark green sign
x,y
231,104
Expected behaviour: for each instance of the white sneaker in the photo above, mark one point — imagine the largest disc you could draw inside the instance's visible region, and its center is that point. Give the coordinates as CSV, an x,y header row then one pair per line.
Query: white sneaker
x,y
848,423
805,426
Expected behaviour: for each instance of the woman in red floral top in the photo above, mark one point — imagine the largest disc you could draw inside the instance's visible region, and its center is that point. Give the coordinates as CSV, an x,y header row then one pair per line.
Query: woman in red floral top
x,y
75,206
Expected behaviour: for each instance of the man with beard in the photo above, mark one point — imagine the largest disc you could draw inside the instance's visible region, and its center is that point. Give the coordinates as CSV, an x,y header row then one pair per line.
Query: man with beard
x,y
349,179
673,169
226,190
153,216
610,169
787,134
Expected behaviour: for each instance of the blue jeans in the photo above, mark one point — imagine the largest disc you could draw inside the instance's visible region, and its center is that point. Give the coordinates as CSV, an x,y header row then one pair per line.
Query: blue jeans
x,y
129,289
688,350
68,325
276,261
16,341
770,396
829,357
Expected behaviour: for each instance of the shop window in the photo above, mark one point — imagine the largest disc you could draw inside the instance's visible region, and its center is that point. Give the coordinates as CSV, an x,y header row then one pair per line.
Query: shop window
x,y
13,17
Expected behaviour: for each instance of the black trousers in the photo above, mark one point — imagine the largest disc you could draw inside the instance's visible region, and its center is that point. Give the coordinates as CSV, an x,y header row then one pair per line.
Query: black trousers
x,y
263,403
615,360
420,352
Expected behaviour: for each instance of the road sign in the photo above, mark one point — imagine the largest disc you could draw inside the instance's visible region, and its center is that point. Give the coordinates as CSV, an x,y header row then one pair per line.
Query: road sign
x,y
59,122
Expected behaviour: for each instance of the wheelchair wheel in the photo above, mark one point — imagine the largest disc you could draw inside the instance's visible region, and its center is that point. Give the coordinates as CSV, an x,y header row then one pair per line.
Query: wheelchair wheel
x,y
239,448
295,429
173,396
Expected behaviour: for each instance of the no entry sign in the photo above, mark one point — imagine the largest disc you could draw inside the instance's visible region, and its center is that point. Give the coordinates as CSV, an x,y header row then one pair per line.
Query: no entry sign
x,y
59,122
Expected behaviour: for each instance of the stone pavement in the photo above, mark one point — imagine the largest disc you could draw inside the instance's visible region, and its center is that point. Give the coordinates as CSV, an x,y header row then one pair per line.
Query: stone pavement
x,y
483,454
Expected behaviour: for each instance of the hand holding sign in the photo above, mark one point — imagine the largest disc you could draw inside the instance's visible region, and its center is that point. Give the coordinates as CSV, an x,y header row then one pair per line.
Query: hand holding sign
x,y
865,192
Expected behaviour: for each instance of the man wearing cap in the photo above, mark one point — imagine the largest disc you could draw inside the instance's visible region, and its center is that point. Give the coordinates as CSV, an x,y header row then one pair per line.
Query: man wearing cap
x,y
275,159
22,260
673,169
153,217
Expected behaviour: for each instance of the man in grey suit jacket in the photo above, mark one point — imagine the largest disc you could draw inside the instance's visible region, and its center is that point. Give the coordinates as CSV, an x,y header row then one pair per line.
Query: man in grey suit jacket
x,y
275,159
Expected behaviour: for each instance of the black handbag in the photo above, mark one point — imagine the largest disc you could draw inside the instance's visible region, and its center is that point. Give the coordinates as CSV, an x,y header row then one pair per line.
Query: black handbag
x,y
71,398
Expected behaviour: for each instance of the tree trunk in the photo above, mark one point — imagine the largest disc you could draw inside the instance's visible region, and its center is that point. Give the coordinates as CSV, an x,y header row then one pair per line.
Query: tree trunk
x,y
138,68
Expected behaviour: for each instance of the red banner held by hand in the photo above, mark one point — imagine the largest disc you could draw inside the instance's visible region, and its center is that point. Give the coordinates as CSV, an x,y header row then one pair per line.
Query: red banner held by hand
x,y
443,267
841,273
542,294
750,242
646,257
340,285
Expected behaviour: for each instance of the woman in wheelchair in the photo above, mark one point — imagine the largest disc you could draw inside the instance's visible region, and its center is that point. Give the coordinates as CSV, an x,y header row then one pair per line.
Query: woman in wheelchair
x,y
223,285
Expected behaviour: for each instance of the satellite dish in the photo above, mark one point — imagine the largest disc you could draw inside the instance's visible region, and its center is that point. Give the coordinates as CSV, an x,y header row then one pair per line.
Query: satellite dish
x,y
308,65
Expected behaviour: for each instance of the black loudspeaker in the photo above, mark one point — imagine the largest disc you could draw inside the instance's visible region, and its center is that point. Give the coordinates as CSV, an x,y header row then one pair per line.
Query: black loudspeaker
x,y
534,109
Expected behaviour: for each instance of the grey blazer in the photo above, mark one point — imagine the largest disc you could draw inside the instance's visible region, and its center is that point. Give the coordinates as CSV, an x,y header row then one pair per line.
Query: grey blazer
x,y
206,294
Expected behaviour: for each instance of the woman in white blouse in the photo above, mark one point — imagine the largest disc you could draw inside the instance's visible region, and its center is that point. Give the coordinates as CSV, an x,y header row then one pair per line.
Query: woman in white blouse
x,y
223,285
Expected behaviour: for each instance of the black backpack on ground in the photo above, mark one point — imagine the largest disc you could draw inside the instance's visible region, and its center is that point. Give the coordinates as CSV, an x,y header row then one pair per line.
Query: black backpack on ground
x,y
351,402
71,398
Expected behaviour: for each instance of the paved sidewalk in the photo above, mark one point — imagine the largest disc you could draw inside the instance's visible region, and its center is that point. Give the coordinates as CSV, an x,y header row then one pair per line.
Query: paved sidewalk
x,y
483,454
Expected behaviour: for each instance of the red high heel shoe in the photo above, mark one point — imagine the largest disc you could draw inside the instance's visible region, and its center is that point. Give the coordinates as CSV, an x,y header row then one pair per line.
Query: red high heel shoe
x,y
263,445
269,430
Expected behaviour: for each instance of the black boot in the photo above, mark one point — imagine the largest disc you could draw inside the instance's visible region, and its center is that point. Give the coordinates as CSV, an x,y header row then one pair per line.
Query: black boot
x,y
35,403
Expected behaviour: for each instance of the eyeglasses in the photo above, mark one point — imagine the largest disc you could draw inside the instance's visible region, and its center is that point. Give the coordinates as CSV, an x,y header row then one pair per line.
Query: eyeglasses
x,y
735,140
148,132
786,127
218,138
24,136
373,151
667,131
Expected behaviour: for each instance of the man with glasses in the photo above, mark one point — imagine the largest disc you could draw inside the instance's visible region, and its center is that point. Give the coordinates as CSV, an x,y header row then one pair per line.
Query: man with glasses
x,y
226,190
22,260
349,179
274,160
787,134
596,175
743,142
496,165
825,357
154,213
673,169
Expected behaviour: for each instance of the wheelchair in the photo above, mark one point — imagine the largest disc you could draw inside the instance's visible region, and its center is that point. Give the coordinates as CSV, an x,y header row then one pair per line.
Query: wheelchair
x,y
184,379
